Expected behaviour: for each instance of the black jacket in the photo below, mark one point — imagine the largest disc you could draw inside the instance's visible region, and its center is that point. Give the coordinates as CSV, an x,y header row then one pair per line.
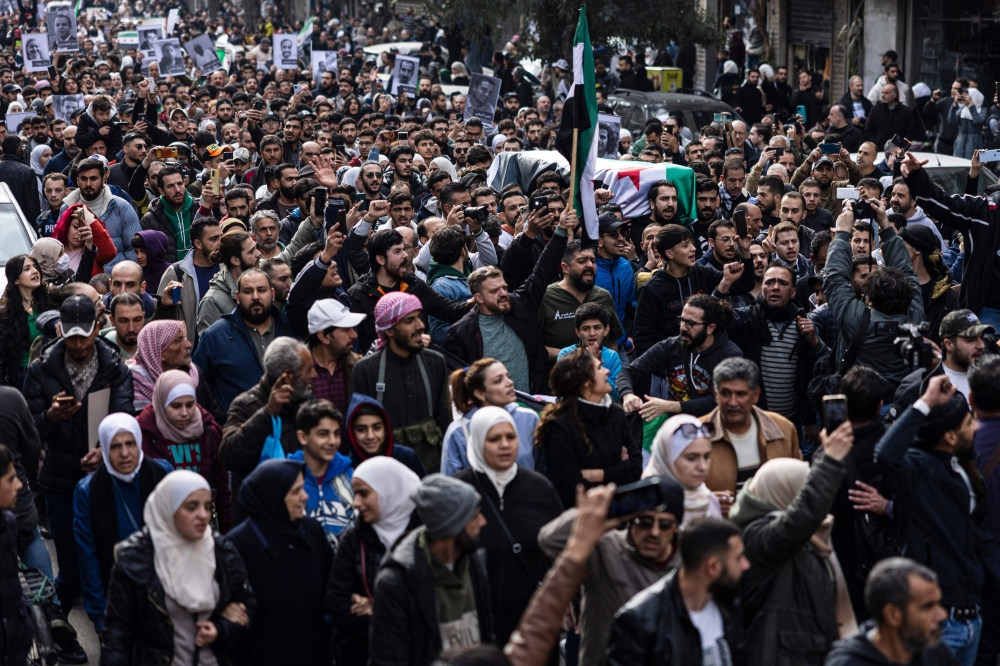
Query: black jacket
x,y
567,452
17,631
366,292
23,183
662,299
529,502
848,102
788,594
850,136
750,102
655,629
465,339
807,98
859,651
883,124
21,437
931,508
520,259
418,188
89,131
687,375
405,628
65,442
289,627
305,291
139,631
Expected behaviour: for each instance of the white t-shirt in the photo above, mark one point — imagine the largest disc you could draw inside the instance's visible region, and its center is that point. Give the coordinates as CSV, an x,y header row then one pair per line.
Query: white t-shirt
x,y
959,380
747,452
714,648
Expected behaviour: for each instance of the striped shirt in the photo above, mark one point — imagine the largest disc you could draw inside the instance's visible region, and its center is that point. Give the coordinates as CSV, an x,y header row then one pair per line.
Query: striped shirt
x,y
779,363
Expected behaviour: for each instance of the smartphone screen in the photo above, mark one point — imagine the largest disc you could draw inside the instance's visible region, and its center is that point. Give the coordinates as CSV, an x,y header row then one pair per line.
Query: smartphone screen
x,y
319,200
834,411
139,110
740,220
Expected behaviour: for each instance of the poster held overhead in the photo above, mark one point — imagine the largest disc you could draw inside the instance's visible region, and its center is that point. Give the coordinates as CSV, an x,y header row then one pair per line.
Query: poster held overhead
x,y
36,52
285,51
169,58
484,92
324,61
202,51
61,24
63,106
608,130
404,73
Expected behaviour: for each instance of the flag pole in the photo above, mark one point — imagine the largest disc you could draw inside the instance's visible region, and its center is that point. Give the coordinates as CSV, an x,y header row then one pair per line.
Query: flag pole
x,y
572,169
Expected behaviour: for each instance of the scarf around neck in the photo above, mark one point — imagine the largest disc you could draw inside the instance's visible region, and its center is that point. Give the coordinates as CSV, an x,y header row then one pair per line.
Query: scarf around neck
x,y
181,221
767,312
98,206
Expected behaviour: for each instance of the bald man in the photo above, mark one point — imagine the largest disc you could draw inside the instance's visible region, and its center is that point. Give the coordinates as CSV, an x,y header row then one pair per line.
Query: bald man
x,y
127,276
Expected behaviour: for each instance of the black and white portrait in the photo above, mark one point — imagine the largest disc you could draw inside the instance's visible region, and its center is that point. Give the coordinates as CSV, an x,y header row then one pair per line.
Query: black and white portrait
x,y
405,73
61,24
323,61
169,57
148,36
15,120
484,91
608,131
202,51
63,106
286,51
36,52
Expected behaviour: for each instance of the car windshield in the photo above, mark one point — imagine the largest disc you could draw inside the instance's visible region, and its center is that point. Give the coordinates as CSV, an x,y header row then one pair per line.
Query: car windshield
x,y
952,179
14,238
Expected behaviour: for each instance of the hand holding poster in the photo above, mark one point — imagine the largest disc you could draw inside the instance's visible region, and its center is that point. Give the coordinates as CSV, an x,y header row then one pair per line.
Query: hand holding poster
x,y
405,73
169,58
285,51
202,51
484,91
608,130
36,52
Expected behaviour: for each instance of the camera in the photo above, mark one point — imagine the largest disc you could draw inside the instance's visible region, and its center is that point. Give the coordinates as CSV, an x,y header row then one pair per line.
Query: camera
x,y
909,343
477,213
862,210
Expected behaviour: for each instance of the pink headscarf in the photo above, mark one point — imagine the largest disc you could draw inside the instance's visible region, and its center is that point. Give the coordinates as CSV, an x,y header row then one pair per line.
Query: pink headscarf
x,y
392,309
171,385
153,339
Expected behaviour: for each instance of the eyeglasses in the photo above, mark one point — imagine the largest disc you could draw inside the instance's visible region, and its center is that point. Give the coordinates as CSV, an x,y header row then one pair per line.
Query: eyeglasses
x,y
460,150
689,323
372,175
617,233
688,432
647,522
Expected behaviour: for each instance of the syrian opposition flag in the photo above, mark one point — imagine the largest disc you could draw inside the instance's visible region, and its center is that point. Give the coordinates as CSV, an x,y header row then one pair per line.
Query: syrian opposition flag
x,y
580,113
629,182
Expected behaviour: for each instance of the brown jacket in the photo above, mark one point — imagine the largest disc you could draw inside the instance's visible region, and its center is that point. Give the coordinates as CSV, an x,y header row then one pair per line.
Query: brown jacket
x,y
532,642
776,438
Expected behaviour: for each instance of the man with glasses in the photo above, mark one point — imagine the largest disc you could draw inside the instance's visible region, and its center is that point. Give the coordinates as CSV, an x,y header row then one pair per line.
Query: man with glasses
x,y
370,182
134,145
365,143
474,130
460,151
624,562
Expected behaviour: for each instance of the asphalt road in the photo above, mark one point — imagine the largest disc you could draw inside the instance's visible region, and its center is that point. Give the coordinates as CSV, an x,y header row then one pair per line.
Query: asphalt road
x,y
78,618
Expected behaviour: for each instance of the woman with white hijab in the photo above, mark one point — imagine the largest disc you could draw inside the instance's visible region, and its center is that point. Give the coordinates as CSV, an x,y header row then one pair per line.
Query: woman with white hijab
x,y
516,503
444,164
681,451
383,487
179,592
795,586
968,113
107,506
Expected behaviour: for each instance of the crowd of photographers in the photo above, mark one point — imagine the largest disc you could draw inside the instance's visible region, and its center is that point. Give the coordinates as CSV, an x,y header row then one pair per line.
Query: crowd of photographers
x,y
291,375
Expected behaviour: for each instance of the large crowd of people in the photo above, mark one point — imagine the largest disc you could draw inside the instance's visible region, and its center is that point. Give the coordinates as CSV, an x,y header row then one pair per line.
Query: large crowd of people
x,y
293,372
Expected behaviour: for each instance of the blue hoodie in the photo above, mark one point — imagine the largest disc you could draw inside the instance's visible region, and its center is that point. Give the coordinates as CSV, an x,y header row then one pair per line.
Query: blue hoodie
x,y
403,454
616,276
330,498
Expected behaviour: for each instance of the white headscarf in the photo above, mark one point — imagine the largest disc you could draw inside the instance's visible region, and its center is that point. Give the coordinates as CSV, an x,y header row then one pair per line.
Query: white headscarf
x,y
977,101
111,426
445,165
185,568
394,483
36,158
767,72
730,67
921,90
350,177
699,502
484,419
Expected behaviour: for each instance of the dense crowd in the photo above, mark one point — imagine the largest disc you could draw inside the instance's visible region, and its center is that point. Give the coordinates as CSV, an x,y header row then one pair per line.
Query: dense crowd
x,y
310,362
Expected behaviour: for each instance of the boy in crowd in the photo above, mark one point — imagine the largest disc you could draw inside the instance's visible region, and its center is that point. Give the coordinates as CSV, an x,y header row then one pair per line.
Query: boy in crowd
x,y
593,324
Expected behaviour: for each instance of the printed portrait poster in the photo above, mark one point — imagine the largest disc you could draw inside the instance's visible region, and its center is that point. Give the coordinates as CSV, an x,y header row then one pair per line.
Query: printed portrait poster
x,y
608,131
405,73
286,53
64,105
169,57
484,92
61,25
202,51
15,120
36,52
148,36
323,61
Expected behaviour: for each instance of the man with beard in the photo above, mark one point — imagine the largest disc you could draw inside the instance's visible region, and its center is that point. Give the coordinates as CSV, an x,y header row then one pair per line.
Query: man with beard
x,y
770,189
662,197
707,202
331,342
904,600
722,242
135,149
127,319
390,270
684,362
283,200
435,566
270,155
510,206
62,159
370,180
504,325
231,352
658,308
117,216
557,313
264,226
688,613
817,218
929,459
821,169
904,203
193,275
401,169
614,272
419,400
173,212
284,382
237,253
792,209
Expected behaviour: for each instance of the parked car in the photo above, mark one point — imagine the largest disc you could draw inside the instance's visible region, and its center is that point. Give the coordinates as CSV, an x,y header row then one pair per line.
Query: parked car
x,y
16,234
635,108
951,172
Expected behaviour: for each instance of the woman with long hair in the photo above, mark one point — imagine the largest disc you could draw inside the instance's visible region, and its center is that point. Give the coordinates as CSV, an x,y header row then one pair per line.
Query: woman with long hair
x,y
179,594
24,298
516,503
681,451
485,383
385,513
352,108
69,86
84,239
583,435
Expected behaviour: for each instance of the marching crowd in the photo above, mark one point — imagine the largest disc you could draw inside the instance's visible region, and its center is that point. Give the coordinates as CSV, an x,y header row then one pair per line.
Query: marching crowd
x,y
291,375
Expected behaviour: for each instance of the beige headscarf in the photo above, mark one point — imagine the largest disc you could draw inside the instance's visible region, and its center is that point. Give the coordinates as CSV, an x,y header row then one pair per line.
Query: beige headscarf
x,y
699,502
778,482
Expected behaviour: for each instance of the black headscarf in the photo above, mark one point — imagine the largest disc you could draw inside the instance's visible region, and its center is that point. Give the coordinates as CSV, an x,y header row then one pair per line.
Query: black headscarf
x,y
262,497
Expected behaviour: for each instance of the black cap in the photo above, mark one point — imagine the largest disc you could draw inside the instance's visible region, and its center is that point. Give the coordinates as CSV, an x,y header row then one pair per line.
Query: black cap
x,y
509,95
78,316
607,223
921,238
271,116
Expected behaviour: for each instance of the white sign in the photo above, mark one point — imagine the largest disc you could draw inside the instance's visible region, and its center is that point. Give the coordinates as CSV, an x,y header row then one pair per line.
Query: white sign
x,y
36,52
323,61
286,54
484,92
169,57
202,51
15,120
64,105
608,130
405,72
172,17
61,25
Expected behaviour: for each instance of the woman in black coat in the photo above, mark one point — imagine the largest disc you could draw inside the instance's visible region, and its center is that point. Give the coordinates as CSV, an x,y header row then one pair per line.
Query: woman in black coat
x,y
288,562
177,590
385,513
584,435
516,502
795,598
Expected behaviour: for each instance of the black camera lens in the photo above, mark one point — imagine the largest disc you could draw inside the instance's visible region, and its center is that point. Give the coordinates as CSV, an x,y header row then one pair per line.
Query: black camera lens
x,y
478,213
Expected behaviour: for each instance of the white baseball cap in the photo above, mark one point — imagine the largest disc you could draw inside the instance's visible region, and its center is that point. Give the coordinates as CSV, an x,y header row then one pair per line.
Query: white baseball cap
x,y
329,312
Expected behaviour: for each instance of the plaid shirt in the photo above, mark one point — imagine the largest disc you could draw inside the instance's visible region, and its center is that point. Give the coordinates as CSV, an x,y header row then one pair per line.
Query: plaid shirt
x,y
331,386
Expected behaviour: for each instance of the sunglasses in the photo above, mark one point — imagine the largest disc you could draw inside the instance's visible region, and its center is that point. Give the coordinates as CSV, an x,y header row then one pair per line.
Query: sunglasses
x,y
688,432
647,522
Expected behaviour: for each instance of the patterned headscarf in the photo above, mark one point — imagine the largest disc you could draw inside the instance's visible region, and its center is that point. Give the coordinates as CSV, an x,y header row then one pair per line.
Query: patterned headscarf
x,y
392,309
153,339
